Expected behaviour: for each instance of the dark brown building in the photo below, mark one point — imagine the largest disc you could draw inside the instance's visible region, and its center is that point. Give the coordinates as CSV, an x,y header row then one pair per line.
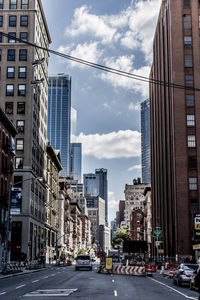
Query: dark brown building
x,y
121,210
175,124
137,227
7,134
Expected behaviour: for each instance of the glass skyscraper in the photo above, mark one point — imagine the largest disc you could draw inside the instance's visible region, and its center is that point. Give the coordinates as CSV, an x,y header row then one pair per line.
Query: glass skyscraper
x,y
145,141
59,117
97,185
76,161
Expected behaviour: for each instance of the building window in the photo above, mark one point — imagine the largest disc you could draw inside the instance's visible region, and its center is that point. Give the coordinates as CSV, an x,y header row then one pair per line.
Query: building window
x,y
0,54
12,21
189,100
20,126
20,144
187,41
1,21
192,162
21,108
0,37
1,4
10,72
192,183
23,55
11,38
21,90
19,162
13,4
189,80
24,36
190,120
9,108
24,21
22,72
186,3
10,90
24,4
11,55
187,21
188,61
191,141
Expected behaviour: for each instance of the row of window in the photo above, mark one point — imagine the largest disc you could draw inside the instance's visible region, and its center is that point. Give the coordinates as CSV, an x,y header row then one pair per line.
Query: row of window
x,y
21,72
20,108
21,90
186,3
11,54
12,37
12,21
13,4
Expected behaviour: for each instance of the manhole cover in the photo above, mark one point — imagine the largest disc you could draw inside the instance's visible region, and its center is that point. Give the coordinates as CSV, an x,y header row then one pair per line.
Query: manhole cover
x,y
51,293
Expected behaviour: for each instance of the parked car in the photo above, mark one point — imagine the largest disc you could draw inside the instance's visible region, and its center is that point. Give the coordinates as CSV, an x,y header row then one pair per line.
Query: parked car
x,y
183,273
83,261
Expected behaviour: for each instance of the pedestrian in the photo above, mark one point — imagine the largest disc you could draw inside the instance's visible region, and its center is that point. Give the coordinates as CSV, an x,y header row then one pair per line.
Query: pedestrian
x,y
197,280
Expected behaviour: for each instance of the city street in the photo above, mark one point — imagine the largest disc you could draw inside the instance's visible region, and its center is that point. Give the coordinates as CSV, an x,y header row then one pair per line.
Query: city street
x,y
59,282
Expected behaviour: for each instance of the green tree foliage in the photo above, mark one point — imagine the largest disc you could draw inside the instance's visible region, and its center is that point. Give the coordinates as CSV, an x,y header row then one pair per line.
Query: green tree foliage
x,y
122,234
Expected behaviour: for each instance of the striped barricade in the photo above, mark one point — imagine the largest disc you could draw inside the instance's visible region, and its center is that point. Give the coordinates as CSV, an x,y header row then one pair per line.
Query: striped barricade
x,y
129,270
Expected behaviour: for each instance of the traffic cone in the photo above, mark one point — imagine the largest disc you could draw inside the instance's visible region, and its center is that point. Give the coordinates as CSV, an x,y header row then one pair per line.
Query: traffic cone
x,y
149,270
171,272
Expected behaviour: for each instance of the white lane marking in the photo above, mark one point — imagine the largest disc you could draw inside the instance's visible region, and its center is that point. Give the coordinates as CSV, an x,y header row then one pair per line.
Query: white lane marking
x,y
115,293
53,274
113,280
3,293
45,277
171,288
35,281
20,286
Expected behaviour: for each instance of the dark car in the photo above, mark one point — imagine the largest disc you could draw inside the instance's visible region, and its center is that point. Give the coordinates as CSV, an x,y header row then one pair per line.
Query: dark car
x,y
183,273
83,261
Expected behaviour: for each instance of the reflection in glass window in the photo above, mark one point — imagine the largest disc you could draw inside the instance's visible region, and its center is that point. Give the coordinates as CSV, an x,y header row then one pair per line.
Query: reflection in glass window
x,y
10,90
20,126
19,162
21,108
21,90
9,108
20,144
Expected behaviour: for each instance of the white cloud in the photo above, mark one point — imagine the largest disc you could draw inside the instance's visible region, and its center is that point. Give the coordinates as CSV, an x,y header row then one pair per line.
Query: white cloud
x,y
87,51
135,167
106,105
134,106
121,144
86,23
125,63
113,206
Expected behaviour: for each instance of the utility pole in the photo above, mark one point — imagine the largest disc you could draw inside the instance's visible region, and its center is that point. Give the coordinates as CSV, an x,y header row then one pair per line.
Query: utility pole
x,y
56,247
8,233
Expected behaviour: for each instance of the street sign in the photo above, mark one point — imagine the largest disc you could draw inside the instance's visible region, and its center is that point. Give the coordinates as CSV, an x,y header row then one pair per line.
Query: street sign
x,y
158,233
197,222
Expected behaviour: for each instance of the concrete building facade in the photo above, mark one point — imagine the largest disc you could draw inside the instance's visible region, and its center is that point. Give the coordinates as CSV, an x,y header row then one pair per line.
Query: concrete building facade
x,y
26,105
175,125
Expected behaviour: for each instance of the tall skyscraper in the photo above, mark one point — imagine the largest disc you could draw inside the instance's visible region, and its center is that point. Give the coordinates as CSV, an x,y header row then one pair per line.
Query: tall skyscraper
x,y
76,161
175,125
26,105
97,185
145,141
59,118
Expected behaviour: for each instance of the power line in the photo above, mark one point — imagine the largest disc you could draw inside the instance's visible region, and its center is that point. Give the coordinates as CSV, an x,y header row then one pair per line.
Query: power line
x,y
102,67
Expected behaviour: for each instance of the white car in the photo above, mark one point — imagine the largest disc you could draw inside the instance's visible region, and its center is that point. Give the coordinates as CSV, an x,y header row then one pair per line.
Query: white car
x,y
83,261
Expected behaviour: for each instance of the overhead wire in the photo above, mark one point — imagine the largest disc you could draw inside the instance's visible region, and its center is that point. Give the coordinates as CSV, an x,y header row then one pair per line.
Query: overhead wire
x,y
102,67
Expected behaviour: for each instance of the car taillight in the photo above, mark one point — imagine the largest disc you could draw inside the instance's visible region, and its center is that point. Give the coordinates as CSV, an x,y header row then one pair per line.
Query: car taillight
x,y
183,273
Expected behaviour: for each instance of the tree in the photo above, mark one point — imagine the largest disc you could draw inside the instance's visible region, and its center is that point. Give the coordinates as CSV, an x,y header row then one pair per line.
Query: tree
x,y
120,236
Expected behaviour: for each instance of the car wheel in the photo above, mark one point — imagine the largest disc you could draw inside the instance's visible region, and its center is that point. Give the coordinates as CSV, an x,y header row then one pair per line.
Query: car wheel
x,y
91,269
76,269
174,281
191,287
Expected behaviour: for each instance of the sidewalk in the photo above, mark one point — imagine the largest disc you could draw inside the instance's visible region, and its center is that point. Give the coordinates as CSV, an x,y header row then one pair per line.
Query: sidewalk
x,y
48,266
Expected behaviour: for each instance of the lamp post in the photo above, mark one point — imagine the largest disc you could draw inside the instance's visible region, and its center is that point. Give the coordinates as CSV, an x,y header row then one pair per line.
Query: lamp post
x,y
8,223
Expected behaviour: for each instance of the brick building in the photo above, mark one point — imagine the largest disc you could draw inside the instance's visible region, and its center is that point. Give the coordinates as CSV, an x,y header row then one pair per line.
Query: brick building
x,y
136,225
175,124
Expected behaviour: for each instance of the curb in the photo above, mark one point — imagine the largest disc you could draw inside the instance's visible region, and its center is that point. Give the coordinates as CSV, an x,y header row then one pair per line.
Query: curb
x,y
22,273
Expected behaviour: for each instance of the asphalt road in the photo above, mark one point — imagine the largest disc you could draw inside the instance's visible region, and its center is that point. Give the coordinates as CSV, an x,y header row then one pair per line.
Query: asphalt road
x,y
65,282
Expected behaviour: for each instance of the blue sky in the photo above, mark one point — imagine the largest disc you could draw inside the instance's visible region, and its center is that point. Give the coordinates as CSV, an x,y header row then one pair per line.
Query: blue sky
x,y
118,34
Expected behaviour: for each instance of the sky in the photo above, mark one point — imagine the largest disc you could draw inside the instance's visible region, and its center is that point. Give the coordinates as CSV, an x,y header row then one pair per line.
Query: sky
x,y
118,34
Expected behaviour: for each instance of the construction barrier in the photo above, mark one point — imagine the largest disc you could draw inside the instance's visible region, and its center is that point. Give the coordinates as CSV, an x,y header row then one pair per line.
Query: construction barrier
x,y
129,270
149,270
154,268
171,272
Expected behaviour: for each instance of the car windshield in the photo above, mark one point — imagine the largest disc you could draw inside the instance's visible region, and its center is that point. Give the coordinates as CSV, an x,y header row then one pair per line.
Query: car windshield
x,y
83,257
193,267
